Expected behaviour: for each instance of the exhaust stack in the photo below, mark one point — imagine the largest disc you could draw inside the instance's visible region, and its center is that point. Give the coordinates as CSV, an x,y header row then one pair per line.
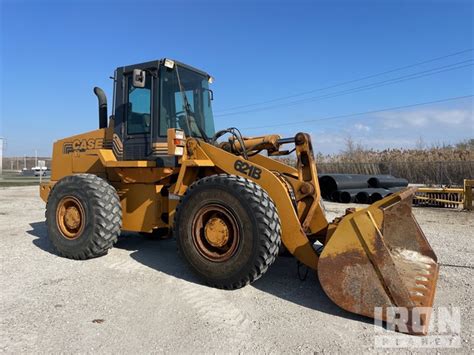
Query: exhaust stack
x,y
102,107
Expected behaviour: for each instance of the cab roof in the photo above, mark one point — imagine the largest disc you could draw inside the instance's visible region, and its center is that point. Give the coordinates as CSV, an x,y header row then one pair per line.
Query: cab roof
x,y
157,64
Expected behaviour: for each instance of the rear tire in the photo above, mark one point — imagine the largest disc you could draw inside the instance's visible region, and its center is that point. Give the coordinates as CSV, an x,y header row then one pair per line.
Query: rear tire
x,y
228,230
83,216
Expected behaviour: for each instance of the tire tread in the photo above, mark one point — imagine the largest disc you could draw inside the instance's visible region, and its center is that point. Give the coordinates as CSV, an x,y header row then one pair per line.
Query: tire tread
x,y
268,221
107,210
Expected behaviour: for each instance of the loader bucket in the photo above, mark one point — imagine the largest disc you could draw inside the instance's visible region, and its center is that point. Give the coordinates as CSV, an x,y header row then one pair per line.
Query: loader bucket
x,y
379,257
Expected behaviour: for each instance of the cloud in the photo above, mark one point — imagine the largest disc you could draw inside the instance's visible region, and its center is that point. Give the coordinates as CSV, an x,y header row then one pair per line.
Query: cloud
x,y
393,129
425,118
362,127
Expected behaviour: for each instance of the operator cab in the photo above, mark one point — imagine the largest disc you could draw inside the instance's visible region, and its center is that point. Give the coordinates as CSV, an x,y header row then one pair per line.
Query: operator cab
x,y
151,97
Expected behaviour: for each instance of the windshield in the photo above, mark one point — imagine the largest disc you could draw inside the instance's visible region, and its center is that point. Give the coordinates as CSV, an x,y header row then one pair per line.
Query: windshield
x,y
188,108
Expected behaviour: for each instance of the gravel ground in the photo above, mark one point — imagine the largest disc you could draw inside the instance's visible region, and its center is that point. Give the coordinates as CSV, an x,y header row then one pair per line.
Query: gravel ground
x,y
141,298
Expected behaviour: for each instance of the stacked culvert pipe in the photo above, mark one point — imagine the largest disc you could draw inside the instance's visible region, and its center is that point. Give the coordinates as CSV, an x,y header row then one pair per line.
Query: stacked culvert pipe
x,y
359,188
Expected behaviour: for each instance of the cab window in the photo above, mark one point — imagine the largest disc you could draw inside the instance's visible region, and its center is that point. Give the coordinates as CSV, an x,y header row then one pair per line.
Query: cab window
x,y
139,108
191,90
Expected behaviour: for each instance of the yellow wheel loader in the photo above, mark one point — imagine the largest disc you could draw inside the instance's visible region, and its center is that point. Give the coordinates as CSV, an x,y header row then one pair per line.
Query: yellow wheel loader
x,y
156,165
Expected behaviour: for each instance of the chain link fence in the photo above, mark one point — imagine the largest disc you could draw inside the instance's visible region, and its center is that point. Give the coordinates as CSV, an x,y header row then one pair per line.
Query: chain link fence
x,y
416,172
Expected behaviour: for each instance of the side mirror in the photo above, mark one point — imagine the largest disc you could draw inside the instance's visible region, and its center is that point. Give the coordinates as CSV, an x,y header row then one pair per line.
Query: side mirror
x,y
139,77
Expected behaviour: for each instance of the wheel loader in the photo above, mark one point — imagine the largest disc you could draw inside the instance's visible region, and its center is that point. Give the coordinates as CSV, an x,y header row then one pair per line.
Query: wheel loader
x,y
157,165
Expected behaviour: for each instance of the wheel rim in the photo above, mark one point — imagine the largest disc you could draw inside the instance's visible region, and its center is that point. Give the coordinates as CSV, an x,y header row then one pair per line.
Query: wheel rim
x,y
215,233
70,217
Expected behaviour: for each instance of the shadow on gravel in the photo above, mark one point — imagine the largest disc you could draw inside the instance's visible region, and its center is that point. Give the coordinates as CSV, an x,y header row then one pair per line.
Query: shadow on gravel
x,y
281,279
42,241
161,255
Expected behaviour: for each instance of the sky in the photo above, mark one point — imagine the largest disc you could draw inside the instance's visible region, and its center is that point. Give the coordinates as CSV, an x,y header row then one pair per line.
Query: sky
x,y
335,69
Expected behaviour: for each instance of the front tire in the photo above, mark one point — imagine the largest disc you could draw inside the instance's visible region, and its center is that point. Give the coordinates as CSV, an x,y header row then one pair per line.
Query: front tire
x,y
228,230
83,216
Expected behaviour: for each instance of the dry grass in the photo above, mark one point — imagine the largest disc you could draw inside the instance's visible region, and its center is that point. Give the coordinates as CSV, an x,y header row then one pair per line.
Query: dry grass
x,y
437,165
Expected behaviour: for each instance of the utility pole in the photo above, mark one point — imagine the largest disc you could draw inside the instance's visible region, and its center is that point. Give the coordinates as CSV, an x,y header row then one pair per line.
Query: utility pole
x,y
36,158
24,162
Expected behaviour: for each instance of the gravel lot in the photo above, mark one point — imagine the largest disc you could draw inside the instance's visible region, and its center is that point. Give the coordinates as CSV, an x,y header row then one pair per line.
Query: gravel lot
x,y
141,298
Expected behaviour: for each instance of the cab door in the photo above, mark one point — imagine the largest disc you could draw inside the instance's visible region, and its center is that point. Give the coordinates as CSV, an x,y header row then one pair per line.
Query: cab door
x,y
138,118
